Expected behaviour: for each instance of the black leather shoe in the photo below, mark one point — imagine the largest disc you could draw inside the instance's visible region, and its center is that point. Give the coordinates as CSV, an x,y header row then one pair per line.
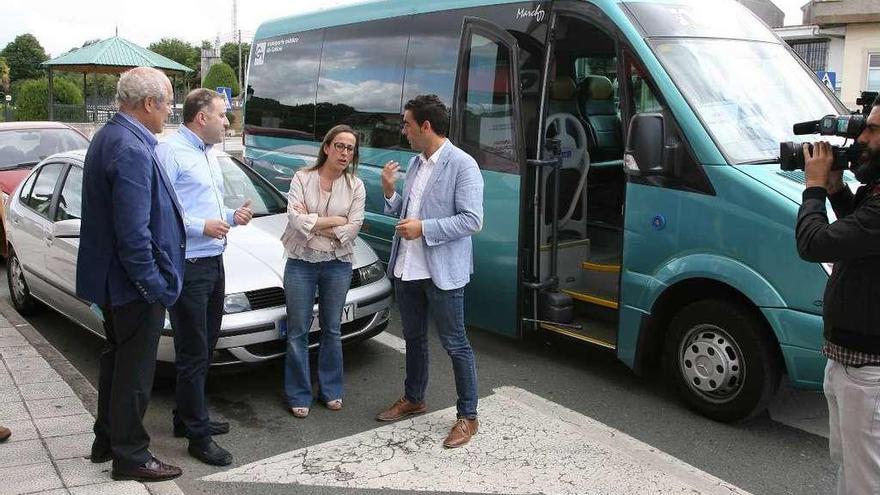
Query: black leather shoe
x,y
100,454
210,453
152,470
214,428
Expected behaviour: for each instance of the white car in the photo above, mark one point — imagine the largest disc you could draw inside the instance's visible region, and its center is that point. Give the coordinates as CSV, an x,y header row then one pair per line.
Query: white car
x,y
43,223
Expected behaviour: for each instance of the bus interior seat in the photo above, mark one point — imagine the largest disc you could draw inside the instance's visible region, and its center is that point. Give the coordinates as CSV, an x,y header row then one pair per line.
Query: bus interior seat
x,y
596,99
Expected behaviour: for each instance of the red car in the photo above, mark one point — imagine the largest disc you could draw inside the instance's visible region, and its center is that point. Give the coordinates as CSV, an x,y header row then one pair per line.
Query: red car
x,y
23,145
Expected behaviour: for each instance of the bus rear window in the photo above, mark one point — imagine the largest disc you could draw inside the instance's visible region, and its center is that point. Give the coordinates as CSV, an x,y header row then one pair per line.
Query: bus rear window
x,y
699,18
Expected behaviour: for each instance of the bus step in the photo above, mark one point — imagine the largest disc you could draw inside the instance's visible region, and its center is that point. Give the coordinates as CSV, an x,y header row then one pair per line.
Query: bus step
x,y
595,335
600,267
606,301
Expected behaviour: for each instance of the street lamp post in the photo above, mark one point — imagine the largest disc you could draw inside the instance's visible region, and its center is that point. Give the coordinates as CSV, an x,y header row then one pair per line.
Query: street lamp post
x,y
8,100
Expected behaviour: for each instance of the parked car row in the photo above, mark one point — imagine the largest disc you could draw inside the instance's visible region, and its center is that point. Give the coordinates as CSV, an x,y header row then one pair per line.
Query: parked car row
x,y
23,145
43,223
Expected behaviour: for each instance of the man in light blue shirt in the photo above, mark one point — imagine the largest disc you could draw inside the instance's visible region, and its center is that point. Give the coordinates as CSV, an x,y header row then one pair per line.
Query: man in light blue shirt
x,y
197,179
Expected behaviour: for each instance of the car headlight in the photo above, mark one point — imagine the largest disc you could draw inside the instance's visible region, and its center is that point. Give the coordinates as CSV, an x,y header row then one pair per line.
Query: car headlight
x,y
236,303
827,267
371,273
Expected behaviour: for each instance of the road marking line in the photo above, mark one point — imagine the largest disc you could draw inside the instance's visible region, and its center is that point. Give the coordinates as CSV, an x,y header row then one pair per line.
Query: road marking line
x,y
526,444
392,341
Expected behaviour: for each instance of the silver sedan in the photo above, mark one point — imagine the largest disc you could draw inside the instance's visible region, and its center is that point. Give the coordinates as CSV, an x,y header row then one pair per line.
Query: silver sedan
x,y
43,223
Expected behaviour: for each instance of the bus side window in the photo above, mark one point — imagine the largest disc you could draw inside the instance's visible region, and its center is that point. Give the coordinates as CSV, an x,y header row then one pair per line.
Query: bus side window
x,y
361,80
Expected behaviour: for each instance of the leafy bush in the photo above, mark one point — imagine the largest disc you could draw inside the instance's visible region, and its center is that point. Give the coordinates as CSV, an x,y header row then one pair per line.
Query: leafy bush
x,y
33,95
221,74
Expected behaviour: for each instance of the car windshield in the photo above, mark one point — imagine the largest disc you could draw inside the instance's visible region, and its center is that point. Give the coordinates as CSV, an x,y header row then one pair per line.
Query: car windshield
x,y
747,93
29,146
242,184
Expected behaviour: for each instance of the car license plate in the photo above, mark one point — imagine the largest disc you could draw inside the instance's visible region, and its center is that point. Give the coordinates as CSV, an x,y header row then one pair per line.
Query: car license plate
x,y
347,316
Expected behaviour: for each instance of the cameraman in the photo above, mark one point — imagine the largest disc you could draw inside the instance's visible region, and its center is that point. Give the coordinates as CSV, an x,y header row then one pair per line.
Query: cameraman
x,y
851,302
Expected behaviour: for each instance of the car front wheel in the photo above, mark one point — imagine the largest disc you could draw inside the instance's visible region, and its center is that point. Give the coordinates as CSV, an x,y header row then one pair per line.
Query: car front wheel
x,y
22,299
721,360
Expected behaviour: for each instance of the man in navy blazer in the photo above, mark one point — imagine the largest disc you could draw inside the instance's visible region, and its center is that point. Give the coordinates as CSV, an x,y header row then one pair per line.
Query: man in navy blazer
x,y
432,258
130,264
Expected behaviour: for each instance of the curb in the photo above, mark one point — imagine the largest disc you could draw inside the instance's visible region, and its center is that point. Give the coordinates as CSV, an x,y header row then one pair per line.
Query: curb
x,y
80,385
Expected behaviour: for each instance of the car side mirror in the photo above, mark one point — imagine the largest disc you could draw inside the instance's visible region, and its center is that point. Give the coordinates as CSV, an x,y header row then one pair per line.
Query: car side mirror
x,y
645,153
67,228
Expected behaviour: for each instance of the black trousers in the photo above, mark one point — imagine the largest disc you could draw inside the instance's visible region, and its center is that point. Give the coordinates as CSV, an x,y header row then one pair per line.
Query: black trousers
x,y
196,318
127,366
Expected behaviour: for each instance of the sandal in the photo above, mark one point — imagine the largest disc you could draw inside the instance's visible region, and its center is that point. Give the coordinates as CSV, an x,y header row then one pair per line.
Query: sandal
x,y
299,412
334,405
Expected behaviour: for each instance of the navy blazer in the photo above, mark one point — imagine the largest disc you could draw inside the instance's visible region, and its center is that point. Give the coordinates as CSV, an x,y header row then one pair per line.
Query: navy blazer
x,y
132,240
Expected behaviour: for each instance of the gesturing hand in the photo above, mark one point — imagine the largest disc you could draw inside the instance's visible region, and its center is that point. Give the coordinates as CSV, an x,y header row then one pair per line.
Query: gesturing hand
x,y
389,177
215,228
243,214
409,228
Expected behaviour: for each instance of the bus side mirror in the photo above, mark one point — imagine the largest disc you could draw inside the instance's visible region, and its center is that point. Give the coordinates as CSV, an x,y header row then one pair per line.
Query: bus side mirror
x,y
645,148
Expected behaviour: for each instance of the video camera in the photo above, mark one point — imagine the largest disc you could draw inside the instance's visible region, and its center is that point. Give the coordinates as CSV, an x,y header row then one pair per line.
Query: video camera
x,y
791,155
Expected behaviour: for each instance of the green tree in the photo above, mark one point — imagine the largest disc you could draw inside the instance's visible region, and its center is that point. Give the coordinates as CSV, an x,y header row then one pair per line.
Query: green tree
x,y
183,53
101,86
207,45
221,74
24,56
33,95
4,76
229,55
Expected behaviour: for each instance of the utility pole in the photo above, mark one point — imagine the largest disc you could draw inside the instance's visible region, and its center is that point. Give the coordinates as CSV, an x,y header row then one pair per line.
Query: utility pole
x,y
237,33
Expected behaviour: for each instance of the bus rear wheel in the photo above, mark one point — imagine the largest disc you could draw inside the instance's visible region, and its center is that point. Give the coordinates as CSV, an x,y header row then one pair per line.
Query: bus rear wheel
x,y
721,360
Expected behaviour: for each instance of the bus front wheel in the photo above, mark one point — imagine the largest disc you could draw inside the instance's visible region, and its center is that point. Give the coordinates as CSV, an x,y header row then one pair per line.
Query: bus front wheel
x,y
721,360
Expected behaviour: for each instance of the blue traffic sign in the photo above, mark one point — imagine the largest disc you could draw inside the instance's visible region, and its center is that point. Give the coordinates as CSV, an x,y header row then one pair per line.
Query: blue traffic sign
x,y
227,95
828,79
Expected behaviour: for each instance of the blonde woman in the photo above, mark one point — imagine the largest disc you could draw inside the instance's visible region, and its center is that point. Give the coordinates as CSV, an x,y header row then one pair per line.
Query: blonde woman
x,y
325,208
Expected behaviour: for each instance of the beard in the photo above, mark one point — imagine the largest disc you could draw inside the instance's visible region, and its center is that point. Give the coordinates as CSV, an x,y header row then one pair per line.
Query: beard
x,y
867,167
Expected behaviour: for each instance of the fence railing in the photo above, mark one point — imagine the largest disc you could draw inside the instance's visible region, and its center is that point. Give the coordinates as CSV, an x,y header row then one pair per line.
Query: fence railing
x,y
98,114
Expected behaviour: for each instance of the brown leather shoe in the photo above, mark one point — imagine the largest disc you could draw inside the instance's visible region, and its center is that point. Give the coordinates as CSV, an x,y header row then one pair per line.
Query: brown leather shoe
x,y
461,432
152,470
5,433
401,409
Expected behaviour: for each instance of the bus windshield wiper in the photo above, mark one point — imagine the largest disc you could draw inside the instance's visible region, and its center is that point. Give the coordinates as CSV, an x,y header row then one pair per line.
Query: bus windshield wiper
x,y
760,161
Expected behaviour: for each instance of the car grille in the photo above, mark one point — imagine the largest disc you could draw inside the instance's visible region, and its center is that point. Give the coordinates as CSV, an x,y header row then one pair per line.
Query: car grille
x,y
265,298
274,296
355,279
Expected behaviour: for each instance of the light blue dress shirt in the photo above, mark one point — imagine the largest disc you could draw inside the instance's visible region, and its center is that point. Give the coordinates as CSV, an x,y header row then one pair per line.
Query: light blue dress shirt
x,y
198,182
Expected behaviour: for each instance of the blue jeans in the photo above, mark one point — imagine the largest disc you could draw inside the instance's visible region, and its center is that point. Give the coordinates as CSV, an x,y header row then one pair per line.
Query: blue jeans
x,y
331,280
418,300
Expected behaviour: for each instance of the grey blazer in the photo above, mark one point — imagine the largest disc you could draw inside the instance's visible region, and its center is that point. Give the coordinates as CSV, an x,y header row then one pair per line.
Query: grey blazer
x,y
451,211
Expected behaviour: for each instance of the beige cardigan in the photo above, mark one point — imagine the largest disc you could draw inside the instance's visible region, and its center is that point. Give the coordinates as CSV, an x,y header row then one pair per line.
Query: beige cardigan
x,y
347,196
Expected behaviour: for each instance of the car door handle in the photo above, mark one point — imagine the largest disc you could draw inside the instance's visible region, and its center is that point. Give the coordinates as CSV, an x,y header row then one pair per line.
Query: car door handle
x,y
50,238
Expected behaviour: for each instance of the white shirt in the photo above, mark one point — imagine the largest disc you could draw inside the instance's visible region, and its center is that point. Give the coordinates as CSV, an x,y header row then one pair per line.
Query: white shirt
x,y
411,262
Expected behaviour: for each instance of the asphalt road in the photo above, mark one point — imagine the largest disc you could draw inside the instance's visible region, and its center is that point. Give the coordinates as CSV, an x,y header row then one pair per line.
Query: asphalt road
x,y
762,456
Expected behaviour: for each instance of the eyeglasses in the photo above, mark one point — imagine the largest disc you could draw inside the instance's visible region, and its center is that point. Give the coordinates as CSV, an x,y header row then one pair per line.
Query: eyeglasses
x,y
340,147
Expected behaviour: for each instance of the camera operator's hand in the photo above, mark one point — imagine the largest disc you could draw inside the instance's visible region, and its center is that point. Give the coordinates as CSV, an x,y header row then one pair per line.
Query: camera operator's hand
x,y
817,166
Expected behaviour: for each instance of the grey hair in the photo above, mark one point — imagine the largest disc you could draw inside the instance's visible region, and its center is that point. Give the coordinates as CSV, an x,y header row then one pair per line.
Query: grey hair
x,y
137,84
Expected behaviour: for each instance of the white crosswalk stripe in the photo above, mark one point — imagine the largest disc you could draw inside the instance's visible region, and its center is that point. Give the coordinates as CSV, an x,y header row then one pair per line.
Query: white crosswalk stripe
x,y
526,445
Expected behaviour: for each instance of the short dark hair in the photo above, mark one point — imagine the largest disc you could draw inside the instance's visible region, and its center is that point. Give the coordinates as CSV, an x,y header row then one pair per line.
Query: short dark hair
x,y
432,109
196,101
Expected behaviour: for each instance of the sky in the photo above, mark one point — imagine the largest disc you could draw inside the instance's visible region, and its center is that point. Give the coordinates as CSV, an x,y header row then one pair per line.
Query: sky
x,y
64,24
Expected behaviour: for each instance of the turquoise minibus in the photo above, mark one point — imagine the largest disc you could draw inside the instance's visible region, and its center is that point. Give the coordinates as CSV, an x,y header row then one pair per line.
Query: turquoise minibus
x,y
633,197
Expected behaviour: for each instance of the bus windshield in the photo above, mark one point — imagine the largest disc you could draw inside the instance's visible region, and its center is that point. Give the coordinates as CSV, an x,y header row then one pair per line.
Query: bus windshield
x,y
747,93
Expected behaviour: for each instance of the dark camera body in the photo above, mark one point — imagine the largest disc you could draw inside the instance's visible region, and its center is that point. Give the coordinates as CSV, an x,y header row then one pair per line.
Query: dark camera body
x,y
791,156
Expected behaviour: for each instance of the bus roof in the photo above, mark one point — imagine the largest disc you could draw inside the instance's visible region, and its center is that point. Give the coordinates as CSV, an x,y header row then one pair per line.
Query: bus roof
x,y
367,11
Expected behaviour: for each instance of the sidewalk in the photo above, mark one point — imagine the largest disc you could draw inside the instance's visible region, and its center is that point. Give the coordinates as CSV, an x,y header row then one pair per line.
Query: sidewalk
x,y
49,407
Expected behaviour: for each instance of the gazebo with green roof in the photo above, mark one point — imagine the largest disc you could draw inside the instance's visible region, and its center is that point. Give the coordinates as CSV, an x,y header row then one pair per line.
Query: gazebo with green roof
x,y
111,56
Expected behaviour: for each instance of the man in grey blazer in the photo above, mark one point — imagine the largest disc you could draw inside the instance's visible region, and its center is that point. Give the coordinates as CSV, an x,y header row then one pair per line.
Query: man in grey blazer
x,y
431,258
